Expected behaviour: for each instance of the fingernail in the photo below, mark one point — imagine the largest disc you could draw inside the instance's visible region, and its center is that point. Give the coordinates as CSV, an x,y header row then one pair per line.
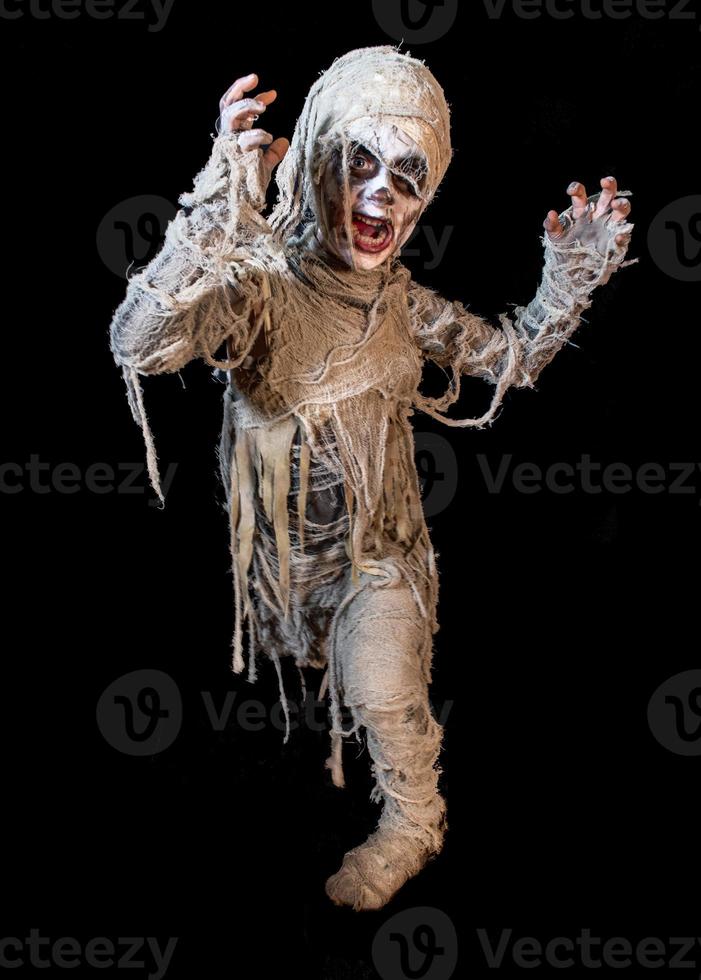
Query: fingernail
x,y
572,188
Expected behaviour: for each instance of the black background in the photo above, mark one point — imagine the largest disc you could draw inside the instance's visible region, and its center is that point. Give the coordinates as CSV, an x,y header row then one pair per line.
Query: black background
x,y
560,613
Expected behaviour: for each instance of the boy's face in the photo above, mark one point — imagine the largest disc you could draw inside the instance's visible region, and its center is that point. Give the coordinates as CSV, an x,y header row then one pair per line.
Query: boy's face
x,y
384,205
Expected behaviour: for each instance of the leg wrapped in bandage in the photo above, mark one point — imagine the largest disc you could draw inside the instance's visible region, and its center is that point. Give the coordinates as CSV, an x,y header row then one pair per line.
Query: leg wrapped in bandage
x,y
381,662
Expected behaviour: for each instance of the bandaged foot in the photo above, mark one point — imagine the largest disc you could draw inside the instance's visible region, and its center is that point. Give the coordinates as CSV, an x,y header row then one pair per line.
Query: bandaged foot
x,y
373,873
384,684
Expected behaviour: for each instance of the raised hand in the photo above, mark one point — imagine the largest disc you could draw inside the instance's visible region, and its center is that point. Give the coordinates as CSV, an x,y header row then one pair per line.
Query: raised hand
x,y
594,220
238,114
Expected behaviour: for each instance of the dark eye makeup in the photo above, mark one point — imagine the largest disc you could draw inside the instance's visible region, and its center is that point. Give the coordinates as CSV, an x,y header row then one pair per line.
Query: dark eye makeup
x,y
364,155
412,169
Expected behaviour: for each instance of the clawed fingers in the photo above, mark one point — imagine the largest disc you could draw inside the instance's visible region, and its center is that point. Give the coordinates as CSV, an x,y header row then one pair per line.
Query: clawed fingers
x,y
620,209
609,189
240,87
263,98
253,138
239,113
605,205
243,113
275,152
578,193
236,91
553,225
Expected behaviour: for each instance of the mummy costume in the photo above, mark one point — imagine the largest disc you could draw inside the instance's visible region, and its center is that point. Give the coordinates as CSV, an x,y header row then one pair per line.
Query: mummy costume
x,y
332,561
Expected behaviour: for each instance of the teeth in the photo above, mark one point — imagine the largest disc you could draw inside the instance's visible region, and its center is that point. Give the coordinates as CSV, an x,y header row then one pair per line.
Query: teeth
x,y
370,221
374,242
368,240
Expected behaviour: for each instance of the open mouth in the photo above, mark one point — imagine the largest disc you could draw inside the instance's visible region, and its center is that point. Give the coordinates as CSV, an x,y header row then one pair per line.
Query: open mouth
x,y
371,234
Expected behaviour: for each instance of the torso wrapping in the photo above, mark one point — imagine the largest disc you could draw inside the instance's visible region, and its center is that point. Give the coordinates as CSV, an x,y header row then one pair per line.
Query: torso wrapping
x,y
317,449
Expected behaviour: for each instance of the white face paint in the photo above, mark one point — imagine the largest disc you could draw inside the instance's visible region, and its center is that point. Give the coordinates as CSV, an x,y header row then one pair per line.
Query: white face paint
x,y
384,204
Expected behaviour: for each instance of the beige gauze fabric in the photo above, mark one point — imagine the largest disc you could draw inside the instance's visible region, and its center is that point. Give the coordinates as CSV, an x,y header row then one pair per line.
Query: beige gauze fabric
x,y
325,363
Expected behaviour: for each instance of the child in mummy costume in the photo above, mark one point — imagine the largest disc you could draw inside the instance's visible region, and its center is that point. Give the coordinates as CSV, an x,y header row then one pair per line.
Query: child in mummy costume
x,y
323,335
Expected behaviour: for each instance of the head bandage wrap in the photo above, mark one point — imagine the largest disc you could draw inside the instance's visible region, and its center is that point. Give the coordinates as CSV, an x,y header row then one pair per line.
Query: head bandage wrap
x,y
361,89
